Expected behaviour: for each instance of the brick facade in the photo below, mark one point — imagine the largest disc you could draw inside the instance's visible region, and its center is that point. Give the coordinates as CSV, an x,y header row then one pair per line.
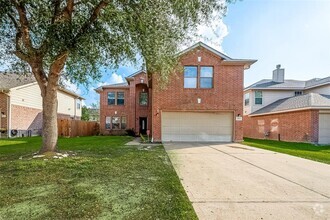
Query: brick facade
x,y
297,126
4,111
132,109
26,118
226,94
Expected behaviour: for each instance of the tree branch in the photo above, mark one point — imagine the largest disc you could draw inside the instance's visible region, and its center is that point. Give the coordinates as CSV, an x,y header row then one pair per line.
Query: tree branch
x,y
57,4
24,24
86,26
12,18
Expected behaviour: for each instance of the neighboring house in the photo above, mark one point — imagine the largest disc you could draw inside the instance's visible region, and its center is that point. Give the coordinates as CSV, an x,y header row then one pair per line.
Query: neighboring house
x,y
21,104
202,102
94,114
289,110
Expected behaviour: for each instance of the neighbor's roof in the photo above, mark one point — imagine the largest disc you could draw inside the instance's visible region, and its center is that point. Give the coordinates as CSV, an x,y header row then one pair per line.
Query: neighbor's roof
x,y
310,100
289,84
11,80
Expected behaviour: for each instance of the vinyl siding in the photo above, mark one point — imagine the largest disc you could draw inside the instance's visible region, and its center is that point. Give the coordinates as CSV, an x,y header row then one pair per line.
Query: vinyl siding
x,y
29,96
321,90
269,97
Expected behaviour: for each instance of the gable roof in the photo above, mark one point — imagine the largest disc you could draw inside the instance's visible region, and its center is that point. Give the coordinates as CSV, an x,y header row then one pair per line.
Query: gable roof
x,y
310,100
114,85
226,59
136,73
11,80
289,84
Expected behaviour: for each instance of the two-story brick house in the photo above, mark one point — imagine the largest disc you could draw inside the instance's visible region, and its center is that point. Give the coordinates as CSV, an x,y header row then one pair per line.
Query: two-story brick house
x,y
290,110
202,102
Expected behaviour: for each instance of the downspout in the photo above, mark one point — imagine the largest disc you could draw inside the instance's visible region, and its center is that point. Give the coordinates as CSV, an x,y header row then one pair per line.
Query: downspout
x,y
9,116
75,108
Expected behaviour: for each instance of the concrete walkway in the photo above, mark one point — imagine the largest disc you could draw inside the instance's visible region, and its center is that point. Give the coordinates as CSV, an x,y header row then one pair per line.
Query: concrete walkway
x,y
234,181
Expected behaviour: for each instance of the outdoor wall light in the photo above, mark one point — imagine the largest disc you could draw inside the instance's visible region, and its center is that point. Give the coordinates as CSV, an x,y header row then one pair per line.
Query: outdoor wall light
x,y
115,112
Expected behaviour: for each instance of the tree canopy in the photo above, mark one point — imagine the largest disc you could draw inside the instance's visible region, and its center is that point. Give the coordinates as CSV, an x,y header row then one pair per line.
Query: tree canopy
x,y
73,39
88,34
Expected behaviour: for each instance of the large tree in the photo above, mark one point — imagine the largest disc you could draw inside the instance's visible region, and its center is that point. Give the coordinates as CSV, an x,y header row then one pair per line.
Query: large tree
x,y
75,38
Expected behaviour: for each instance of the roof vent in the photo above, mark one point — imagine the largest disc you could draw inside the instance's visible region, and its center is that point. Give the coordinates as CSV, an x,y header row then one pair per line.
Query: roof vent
x,y
278,74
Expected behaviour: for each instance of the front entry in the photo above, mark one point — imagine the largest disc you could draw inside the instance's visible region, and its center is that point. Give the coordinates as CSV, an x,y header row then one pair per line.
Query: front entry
x,y
143,125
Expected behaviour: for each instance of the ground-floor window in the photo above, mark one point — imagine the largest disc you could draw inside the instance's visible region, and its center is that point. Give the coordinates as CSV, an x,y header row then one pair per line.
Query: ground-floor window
x,y
115,122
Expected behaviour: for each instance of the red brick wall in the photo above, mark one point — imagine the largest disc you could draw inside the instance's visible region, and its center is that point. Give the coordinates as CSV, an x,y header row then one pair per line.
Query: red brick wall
x,y
227,94
25,118
110,110
132,109
298,126
4,109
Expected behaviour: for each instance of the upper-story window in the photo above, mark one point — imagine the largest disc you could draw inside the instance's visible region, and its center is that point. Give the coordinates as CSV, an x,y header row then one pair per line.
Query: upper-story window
x,y
202,75
206,77
296,93
116,98
258,97
111,98
247,99
143,99
190,77
78,105
120,98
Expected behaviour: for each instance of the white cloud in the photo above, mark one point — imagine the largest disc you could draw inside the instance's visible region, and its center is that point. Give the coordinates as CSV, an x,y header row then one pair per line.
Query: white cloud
x,y
211,33
114,78
72,87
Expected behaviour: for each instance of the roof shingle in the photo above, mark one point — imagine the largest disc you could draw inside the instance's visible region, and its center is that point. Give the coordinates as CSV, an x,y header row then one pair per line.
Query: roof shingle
x,y
297,102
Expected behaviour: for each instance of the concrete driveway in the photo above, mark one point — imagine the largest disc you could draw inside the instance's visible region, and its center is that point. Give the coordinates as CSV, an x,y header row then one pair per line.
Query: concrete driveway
x,y
234,181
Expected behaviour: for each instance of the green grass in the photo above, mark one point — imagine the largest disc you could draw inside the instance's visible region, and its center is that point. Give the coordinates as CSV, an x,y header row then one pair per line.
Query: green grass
x,y
106,180
304,150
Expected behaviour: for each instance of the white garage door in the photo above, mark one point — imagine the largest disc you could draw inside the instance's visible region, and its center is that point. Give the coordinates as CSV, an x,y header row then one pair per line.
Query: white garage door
x,y
196,126
324,128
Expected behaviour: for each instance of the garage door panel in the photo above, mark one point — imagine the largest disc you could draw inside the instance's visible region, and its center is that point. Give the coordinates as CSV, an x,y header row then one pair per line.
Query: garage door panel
x,y
195,126
324,128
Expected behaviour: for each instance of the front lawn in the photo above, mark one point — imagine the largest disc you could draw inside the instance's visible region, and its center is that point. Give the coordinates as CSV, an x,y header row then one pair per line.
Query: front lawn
x,y
308,151
105,180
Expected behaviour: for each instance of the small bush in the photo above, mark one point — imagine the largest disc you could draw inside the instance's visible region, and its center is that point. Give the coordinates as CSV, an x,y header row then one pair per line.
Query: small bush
x,y
130,132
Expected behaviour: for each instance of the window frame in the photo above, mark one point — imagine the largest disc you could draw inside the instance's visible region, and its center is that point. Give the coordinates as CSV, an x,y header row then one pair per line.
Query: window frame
x,y
298,93
255,97
109,126
147,101
201,77
116,98
246,99
184,77
113,98
120,98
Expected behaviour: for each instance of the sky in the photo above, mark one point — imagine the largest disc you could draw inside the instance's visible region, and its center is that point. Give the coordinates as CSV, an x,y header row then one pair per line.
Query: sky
x,y
293,33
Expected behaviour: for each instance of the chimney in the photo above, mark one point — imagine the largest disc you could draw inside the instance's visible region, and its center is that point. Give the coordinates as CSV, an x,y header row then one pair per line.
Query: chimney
x,y
278,74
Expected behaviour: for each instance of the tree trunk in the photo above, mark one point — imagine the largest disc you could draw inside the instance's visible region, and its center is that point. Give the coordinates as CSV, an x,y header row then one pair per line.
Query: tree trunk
x,y
49,120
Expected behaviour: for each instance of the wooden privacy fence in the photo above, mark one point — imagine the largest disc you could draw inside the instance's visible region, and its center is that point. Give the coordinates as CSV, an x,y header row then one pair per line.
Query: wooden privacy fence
x,y
74,128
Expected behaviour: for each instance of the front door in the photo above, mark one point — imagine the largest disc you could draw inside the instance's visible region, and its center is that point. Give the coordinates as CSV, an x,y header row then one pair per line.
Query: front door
x,y
143,125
